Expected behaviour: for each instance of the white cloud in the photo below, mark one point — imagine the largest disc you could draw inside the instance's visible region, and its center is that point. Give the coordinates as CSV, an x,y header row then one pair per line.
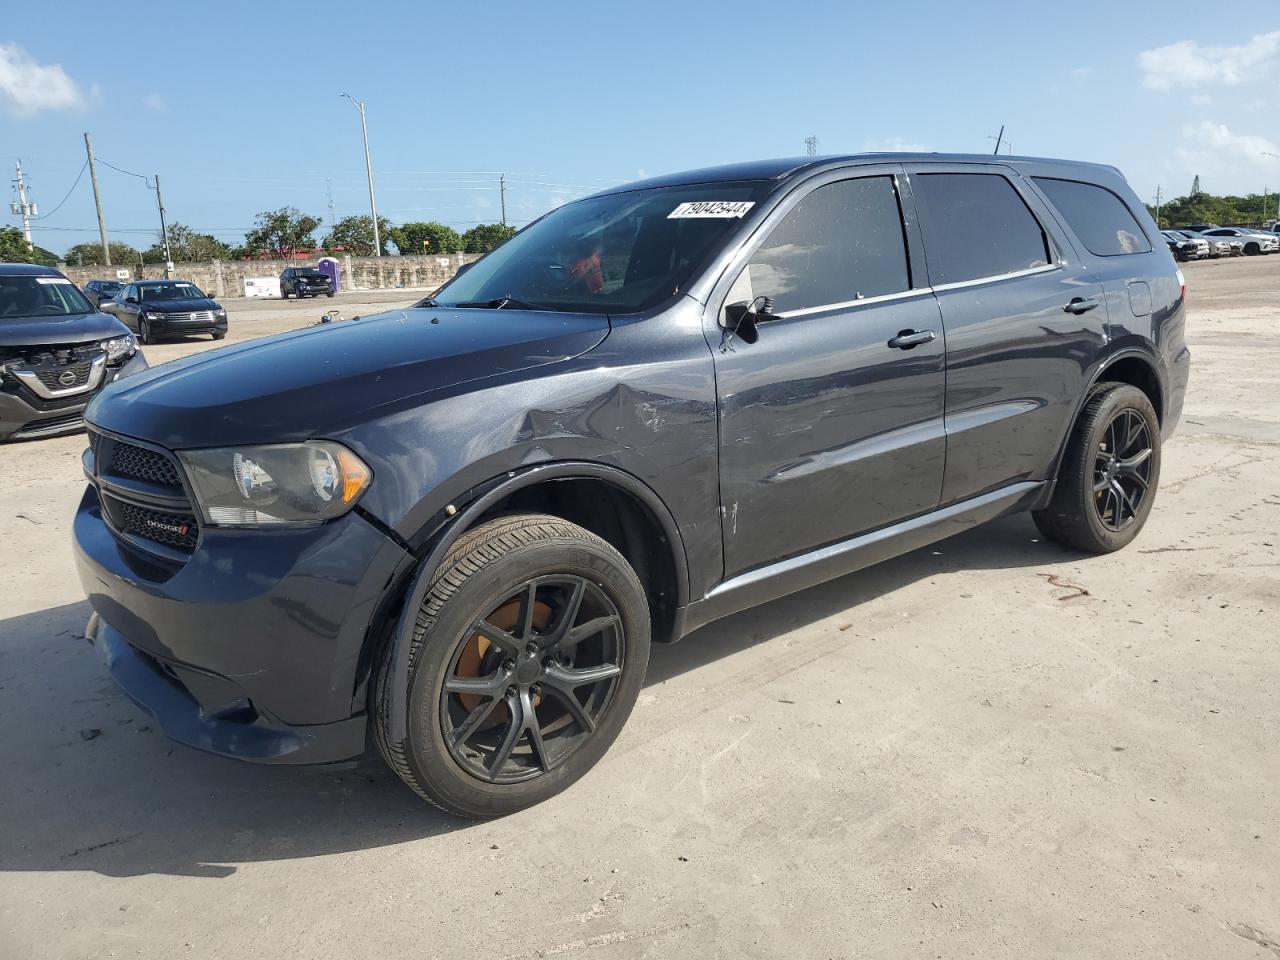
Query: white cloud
x,y
27,87
1189,64
1081,73
153,101
1201,99
1231,160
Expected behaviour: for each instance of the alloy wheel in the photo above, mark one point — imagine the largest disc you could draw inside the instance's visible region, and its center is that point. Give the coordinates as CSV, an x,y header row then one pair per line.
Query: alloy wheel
x,y
531,679
1122,469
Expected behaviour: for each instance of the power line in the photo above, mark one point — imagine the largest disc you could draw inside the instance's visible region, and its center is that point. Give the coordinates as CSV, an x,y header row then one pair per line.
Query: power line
x,y
83,167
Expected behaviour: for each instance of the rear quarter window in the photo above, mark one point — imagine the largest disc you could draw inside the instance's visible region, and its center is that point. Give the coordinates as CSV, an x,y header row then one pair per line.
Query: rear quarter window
x,y
1097,216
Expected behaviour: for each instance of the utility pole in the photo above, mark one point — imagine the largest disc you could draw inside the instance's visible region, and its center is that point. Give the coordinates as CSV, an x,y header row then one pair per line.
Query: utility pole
x,y
502,196
97,201
164,231
368,167
23,209
1157,206
811,146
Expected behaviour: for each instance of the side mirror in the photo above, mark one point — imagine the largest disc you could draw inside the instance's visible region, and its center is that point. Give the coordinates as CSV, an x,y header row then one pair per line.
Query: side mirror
x,y
130,299
743,319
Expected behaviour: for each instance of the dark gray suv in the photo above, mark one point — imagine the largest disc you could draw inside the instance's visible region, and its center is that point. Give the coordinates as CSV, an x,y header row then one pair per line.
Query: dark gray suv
x,y
460,525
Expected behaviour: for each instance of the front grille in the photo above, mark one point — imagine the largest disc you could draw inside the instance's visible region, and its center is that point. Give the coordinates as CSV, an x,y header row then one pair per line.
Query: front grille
x,y
159,512
53,425
194,315
178,531
55,378
139,463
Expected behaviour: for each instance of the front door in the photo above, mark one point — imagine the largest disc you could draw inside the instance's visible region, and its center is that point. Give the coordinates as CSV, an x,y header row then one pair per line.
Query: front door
x,y
831,422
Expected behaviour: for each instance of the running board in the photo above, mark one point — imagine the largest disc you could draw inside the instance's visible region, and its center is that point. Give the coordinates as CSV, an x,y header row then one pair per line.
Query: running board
x,y
808,570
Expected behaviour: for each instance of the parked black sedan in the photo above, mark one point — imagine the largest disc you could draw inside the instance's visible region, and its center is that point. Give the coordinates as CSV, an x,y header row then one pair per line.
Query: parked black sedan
x,y
304,282
167,308
96,291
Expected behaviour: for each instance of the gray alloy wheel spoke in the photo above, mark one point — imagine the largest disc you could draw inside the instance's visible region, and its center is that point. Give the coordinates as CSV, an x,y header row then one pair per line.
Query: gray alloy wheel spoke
x,y
528,598
515,730
564,625
475,719
1137,428
590,629
490,686
570,702
1130,467
1124,501
498,637
570,678
534,729
1101,484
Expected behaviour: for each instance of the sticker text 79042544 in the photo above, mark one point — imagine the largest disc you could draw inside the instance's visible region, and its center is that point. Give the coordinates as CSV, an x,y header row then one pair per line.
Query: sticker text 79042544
x,y
723,209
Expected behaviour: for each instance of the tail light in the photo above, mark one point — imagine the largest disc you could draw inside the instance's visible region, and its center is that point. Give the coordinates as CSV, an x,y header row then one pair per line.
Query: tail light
x,y
1182,283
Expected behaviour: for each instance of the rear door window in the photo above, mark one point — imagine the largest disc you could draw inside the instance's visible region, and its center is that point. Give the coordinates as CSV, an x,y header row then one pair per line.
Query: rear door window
x,y
976,226
1098,217
841,243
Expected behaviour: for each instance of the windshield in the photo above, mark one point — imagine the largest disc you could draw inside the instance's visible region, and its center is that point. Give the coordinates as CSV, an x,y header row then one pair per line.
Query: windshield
x,y
110,286
26,296
614,254
169,291
312,273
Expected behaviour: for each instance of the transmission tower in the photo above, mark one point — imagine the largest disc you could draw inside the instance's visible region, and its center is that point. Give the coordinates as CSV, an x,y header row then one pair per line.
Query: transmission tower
x,y
811,146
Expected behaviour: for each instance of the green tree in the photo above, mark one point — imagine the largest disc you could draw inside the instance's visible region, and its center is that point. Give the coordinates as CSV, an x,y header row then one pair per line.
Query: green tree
x,y
279,233
486,236
90,254
187,246
440,239
1207,208
14,249
354,235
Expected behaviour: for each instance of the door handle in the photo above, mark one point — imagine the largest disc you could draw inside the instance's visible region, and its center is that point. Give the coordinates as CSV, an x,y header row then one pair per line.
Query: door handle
x,y
906,339
1079,305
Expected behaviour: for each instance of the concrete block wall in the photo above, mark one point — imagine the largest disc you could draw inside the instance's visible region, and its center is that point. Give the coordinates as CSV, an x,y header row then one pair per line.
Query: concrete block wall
x,y
221,278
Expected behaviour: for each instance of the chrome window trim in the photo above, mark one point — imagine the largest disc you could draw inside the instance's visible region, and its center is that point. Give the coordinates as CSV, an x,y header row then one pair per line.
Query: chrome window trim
x,y
97,367
883,298
1029,272
919,291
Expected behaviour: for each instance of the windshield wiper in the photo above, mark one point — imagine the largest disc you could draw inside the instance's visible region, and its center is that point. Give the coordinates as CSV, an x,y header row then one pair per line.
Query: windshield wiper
x,y
499,302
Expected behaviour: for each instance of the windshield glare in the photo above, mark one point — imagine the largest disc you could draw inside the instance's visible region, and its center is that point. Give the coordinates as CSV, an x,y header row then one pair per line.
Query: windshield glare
x,y
169,291
614,254
40,297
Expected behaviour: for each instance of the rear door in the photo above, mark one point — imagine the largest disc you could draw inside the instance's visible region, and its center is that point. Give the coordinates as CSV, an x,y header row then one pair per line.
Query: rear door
x,y
830,423
1025,321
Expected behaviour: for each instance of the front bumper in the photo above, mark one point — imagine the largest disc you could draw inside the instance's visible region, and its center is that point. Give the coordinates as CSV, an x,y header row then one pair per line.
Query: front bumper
x,y
26,416
201,710
165,327
251,648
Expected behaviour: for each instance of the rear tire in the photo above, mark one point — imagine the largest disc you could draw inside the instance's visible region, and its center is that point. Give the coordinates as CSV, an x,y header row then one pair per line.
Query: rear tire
x,y
1107,481
519,680
1252,249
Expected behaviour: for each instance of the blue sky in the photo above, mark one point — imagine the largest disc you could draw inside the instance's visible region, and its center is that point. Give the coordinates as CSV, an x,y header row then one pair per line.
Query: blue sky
x,y
238,108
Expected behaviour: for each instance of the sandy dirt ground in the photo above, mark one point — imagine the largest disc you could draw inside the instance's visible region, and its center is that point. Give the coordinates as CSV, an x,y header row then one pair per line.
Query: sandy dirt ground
x,y
988,748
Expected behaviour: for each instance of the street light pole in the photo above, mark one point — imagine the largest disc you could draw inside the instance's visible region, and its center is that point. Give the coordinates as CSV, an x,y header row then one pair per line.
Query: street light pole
x,y
368,167
1273,156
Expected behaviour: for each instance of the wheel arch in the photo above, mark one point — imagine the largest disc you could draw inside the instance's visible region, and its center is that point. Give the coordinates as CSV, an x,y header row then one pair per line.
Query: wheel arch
x,y
1134,366
612,503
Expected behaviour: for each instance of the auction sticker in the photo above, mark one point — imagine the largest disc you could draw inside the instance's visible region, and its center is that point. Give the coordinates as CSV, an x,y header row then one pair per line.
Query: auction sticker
x,y
722,209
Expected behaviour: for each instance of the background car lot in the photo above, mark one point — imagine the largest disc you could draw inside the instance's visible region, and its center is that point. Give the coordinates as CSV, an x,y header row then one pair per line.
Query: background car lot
x,y
989,747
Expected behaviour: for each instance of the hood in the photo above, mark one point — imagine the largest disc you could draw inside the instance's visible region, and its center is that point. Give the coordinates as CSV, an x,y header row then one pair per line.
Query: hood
x,y
41,331
325,379
179,306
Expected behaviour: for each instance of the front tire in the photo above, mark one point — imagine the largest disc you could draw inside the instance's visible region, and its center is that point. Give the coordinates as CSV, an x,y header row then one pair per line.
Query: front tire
x,y
144,332
1107,482
527,656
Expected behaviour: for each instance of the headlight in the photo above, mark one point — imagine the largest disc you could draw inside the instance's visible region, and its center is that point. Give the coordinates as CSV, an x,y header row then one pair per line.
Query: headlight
x,y
220,312
119,348
277,484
